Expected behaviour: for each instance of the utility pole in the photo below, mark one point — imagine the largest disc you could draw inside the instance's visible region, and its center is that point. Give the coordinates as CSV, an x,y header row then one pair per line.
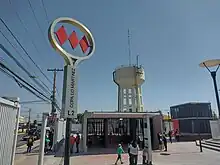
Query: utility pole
x,y
53,97
29,118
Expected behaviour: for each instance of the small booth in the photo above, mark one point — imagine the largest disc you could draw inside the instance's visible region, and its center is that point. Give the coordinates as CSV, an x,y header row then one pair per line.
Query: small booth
x,y
107,129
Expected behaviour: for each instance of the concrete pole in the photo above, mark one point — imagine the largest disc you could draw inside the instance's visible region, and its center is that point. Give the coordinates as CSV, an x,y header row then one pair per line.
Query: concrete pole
x,y
42,139
29,119
15,135
55,70
149,140
84,132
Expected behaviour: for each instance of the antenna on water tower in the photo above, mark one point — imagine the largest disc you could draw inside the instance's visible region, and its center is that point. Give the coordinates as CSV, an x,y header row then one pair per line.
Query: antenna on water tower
x,y
137,58
129,47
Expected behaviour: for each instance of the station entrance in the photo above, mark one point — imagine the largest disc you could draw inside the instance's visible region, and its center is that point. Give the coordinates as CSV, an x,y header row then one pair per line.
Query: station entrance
x,y
108,131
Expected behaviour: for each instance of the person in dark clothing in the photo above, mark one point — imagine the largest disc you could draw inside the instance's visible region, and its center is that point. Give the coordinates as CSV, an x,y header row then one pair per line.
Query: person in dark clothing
x,y
30,143
51,140
177,135
164,141
170,136
159,137
77,142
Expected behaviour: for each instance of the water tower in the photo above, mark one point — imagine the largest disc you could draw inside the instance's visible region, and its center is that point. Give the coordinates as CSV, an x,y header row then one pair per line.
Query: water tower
x,y
129,80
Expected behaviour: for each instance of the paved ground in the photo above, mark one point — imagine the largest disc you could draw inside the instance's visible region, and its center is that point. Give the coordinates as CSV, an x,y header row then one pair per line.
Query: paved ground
x,y
180,154
186,154
23,158
20,142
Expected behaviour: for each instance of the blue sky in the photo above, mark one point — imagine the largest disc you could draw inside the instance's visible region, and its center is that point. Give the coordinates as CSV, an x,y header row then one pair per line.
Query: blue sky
x,y
172,37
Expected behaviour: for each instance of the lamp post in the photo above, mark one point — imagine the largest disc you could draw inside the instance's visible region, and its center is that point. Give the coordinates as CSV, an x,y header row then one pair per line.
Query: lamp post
x,y
199,133
212,63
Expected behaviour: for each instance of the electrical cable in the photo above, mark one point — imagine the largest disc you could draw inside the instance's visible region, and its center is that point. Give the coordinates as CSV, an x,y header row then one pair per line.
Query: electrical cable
x,y
16,61
25,51
20,84
22,80
45,11
25,27
35,17
20,65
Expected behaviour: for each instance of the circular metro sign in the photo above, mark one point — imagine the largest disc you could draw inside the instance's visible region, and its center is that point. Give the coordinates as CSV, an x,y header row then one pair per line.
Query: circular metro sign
x,y
86,43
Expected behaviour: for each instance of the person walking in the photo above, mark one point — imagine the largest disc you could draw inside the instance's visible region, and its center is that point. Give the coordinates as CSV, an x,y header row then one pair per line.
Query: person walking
x,y
164,141
120,151
133,153
47,141
30,143
145,156
170,136
50,136
160,141
77,142
177,135
72,142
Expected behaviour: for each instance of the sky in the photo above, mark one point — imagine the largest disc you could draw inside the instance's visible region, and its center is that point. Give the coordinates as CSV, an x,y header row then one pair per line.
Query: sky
x,y
171,37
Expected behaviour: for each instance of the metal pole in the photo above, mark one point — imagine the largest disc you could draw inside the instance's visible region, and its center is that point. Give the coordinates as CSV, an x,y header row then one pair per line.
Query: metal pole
x,y
200,141
213,74
42,139
149,140
54,92
67,143
169,120
15,135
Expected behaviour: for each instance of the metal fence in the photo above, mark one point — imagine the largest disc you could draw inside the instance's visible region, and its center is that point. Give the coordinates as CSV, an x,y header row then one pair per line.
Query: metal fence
x,y
9,113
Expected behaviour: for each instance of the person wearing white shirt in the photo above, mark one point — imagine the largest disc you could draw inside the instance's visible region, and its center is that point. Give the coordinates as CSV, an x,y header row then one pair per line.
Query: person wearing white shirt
x,y
133,153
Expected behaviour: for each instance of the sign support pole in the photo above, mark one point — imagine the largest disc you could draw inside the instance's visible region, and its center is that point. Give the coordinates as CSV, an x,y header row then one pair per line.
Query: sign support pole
x,y
67,143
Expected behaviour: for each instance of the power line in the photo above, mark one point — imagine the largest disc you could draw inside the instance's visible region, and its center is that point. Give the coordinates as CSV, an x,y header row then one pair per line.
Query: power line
x,y
14,48
35,17
45,11
31,102
20,66
24,50
20,84
23,81
25,28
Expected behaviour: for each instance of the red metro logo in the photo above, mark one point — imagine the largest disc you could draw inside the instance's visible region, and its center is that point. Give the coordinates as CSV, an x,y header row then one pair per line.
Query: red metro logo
x,y
86,43
73,39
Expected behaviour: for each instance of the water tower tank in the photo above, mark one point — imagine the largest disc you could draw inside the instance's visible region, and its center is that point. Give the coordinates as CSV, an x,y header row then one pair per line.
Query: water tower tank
x,y
129,80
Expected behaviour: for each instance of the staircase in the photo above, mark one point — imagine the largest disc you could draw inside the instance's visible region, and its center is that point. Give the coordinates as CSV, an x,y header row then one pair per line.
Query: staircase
x,y
210,144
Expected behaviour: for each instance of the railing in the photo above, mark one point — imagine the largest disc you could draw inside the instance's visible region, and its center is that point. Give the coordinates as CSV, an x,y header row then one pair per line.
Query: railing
x,y
123,66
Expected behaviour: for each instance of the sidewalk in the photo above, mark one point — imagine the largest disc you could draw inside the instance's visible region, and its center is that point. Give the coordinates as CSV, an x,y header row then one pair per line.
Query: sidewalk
x,y
186,153
23,158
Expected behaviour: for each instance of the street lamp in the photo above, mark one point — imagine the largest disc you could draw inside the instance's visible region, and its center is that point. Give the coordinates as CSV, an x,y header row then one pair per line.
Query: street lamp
x,y
212,63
